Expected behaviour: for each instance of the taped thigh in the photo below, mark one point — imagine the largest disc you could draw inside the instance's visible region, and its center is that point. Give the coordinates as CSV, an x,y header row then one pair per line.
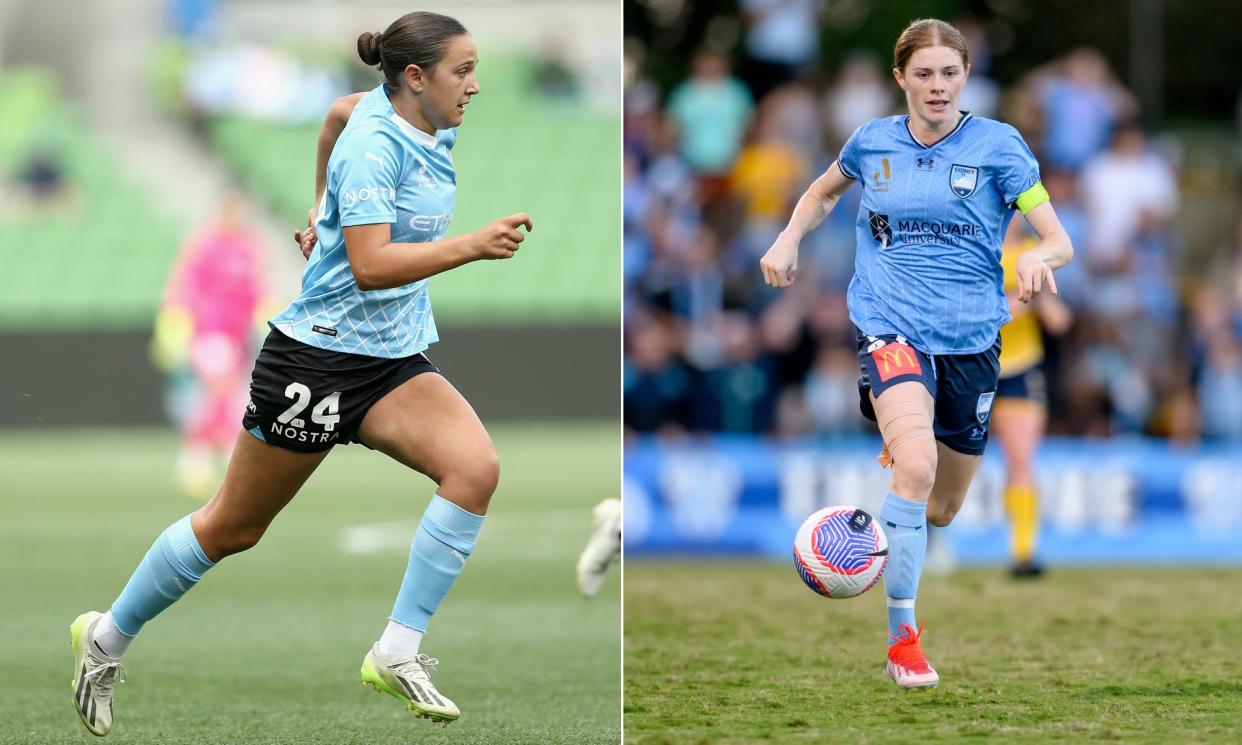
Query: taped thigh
x,y
905,417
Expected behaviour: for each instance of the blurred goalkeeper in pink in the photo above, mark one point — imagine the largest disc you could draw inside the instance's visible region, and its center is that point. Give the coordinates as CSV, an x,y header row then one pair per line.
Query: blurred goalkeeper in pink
x,y
205,339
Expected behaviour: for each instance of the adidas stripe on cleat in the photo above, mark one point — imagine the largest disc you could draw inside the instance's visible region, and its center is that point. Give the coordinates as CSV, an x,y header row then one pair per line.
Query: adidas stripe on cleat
x,y
94,675
405,677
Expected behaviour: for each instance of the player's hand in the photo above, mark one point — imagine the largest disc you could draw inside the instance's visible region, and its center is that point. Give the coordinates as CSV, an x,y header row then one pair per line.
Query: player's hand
x,y
1033,276
500,239
780,263
306,239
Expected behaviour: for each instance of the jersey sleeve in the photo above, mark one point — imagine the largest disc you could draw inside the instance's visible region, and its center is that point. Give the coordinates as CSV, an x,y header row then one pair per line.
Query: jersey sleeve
x,y
1018,171
849,161
368,170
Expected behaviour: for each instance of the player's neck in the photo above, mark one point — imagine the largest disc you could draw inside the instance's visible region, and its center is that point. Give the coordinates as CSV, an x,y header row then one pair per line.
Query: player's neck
x,y
929,133
408,109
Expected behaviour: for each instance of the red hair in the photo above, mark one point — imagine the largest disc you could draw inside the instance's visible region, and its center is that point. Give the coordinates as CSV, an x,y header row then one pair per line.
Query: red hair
x,y
927,32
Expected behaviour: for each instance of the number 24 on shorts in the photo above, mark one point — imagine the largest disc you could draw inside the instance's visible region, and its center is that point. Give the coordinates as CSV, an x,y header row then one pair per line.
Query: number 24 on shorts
x,y
326,412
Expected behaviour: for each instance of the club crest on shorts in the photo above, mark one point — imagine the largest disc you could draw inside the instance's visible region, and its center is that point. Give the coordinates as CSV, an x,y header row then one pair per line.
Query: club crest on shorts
x,y
963,180
984,406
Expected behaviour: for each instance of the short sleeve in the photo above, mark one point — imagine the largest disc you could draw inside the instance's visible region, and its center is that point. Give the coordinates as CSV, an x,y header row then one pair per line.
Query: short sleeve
x,y
849,161
1017,169
368,170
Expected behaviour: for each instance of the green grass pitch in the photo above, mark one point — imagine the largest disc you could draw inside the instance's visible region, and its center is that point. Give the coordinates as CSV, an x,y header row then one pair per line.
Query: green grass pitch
x,y
742,652
267,648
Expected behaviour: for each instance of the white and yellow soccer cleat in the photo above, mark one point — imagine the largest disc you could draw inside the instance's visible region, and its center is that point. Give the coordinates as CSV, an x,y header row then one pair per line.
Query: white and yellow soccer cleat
x,y
603,549
94,675
405,677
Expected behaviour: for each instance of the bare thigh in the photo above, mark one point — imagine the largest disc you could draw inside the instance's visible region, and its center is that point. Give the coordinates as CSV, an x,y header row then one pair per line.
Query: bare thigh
x,y
261,479
954,472
428,426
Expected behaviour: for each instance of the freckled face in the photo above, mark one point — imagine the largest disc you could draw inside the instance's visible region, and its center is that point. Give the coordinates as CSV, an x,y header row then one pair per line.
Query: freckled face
x,y
933,81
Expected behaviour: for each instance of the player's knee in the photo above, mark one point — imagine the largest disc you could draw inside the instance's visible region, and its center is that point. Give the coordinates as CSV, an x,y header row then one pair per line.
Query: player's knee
x,y
941,515
474,477
218,540
485,473
914,469
242,539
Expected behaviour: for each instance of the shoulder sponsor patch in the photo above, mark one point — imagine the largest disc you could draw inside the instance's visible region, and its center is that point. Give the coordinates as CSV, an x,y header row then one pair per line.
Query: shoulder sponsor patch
x,y
894,359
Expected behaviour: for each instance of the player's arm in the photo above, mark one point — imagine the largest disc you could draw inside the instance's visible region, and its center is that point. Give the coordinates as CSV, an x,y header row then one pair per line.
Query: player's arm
x,y
379,264
333,124
1054,250
780,263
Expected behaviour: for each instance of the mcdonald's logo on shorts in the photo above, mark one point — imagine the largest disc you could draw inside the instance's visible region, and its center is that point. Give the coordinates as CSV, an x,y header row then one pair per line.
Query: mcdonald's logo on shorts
x,y
894,359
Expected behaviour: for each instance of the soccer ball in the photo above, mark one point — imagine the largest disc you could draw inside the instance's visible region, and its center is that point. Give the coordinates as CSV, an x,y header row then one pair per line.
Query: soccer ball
x,y
840,552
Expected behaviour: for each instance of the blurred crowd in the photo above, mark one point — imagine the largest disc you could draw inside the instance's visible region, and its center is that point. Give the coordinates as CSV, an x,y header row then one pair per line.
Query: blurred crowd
x,y
714,165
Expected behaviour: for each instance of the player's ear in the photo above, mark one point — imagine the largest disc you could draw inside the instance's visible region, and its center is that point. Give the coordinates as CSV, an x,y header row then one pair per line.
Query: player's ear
x,y
414,78
901,79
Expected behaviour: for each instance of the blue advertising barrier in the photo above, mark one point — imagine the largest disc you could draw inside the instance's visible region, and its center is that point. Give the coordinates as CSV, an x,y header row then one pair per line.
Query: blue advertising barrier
x,y
1114,501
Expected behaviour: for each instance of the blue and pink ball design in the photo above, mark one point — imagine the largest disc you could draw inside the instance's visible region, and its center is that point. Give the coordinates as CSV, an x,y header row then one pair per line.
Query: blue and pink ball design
x,y
840,552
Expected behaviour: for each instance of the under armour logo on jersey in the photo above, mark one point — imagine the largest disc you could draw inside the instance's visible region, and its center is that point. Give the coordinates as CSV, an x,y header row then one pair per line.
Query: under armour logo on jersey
x,y
372,156
924,164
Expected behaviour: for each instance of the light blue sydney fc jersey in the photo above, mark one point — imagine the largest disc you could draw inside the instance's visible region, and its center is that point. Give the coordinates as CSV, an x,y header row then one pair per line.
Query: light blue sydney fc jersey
x,y
382,170
930,228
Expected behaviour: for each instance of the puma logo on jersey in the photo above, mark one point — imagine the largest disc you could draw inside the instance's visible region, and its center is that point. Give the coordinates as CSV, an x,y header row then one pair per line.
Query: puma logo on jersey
x,y
372,156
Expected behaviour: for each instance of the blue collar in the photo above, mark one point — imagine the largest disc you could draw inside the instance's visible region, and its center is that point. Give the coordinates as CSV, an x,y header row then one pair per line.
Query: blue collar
x,y
960,123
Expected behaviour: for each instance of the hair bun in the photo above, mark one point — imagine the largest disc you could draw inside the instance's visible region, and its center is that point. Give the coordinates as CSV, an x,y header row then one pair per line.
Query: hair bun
x,y
369,48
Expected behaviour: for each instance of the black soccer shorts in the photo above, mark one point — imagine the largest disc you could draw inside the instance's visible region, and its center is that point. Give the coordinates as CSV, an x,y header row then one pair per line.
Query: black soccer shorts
x,y
307,399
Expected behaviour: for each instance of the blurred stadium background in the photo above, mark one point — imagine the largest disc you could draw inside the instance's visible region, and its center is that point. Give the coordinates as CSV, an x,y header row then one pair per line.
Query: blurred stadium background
x,y
740,402
127,126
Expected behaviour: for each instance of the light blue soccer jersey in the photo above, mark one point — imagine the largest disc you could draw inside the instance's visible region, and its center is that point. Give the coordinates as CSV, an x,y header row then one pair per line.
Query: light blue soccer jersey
x,y
382,170
930,228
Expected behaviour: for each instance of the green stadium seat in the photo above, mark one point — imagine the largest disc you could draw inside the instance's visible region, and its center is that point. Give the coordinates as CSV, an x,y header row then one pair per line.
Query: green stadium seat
x,y
100,263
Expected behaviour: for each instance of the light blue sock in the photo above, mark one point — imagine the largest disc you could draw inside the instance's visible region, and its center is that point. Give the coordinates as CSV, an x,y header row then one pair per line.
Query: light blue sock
x,y
445,537
174,564
905,524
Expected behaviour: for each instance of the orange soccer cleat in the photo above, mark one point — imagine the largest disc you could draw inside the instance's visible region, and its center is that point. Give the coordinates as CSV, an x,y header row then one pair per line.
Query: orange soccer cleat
x,y
907,665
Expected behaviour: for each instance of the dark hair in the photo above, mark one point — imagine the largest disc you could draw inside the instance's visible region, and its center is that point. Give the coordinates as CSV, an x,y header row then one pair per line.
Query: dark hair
x,y
927,32
418,38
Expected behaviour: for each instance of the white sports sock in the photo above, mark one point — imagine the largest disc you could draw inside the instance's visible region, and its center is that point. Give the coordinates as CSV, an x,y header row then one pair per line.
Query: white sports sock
x,y
400,639
109,638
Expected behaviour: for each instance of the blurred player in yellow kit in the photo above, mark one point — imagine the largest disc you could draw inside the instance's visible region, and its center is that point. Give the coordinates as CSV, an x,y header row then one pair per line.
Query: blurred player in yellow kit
x,y
1020,409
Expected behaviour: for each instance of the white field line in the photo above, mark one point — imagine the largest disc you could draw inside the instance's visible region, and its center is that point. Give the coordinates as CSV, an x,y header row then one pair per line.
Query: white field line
x,y
549,534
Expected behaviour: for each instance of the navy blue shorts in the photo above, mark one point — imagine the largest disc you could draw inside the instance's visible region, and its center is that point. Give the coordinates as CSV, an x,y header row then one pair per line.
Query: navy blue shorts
x,y
1028,385
962,386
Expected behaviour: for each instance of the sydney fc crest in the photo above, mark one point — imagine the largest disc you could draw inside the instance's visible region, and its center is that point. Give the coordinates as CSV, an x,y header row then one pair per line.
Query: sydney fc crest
x,y
983,406
963,180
